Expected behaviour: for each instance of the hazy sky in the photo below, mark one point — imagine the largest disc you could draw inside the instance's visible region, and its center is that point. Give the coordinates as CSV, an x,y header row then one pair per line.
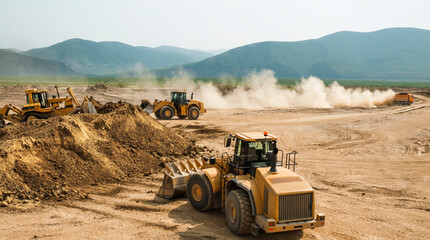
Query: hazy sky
x,y
198,24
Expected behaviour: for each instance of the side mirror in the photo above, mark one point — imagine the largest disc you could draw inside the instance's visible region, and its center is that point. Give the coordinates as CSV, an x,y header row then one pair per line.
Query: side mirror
x,y
272,159
228,142
212,161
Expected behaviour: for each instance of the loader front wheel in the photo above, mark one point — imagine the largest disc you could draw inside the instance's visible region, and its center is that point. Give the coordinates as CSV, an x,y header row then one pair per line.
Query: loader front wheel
x,y
157,114
239,212
167,113
199,191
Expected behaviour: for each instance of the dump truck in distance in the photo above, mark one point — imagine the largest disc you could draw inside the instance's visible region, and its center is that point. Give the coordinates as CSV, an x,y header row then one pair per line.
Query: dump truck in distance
x,y
256,191
403,99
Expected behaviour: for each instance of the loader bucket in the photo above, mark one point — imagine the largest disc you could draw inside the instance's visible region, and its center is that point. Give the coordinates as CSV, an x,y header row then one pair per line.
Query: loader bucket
x,y
176,177
146,105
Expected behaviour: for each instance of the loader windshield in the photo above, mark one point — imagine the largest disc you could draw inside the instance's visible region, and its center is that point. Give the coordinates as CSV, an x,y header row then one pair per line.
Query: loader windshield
x,y
253,151
179,98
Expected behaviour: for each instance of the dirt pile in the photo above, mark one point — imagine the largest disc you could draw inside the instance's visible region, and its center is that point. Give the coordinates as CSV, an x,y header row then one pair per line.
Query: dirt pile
x,y
97,88
52,158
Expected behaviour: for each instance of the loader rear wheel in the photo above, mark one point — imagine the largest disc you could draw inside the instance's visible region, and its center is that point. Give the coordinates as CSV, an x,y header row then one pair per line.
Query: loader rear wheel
x,y
193,113
239,212
167,112
200,193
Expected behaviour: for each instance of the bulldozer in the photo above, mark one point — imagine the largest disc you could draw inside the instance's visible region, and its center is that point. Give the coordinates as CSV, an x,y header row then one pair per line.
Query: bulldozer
x,y
178,106
255,189
40,106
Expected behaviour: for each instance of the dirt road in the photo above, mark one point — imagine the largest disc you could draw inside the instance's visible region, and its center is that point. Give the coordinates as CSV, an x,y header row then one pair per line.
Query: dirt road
x,y
370,169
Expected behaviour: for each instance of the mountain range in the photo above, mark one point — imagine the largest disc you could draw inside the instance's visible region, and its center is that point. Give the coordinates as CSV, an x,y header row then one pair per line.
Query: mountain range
x,y
394,53
102,58
14,64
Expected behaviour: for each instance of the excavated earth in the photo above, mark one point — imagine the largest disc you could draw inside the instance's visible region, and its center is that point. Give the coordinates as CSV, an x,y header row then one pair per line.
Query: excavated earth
x,y
370,168
53,158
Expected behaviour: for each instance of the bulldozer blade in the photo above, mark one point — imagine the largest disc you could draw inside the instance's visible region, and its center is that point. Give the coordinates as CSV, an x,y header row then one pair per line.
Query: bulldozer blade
x,y
88,107
176,177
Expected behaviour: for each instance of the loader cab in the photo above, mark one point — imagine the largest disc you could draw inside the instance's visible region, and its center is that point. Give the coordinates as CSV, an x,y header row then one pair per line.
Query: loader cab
x,y
250,151
179,98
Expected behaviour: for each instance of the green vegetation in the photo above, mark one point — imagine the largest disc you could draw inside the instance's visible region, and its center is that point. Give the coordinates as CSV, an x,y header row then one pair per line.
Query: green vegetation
x,y
142,82
396,53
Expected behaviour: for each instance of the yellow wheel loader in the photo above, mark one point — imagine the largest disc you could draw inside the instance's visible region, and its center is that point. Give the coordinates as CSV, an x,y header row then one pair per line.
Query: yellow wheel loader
x,y
255,189
178,106
40,106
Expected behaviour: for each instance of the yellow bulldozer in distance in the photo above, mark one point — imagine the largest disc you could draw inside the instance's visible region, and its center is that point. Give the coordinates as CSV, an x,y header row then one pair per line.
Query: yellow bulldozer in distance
x,y
256,191
40,106
177,106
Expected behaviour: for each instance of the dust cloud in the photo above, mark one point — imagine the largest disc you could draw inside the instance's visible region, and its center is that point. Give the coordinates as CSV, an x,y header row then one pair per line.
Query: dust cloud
x,y
260,90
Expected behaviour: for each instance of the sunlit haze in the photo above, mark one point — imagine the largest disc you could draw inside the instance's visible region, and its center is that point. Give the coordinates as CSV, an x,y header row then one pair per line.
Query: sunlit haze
x,y
197,24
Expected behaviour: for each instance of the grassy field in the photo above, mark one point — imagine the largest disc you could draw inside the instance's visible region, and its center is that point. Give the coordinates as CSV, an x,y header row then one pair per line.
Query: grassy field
x,y
139,81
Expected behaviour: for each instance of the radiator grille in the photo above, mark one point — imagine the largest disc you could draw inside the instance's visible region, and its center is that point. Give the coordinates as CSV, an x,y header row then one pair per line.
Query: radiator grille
x,y
266,200
298,206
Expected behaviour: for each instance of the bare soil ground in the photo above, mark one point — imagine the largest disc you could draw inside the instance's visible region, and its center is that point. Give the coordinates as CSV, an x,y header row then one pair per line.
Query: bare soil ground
x,y
370,169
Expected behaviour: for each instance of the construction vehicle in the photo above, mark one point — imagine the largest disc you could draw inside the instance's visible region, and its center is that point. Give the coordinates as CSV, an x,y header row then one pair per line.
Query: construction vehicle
x,y
40,106
255,189
177,106
403,99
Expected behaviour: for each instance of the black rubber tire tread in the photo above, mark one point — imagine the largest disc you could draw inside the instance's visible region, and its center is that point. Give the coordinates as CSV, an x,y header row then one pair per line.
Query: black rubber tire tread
x,y
207,202
164,109
182,117
37,115
157,114
190,110
242,203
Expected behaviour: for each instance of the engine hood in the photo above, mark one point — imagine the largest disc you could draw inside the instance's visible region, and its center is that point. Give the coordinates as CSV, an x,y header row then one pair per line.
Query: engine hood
x,y
284,181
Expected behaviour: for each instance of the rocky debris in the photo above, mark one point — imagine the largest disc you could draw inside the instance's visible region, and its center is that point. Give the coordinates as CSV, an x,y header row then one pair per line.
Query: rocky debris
x,y
97,88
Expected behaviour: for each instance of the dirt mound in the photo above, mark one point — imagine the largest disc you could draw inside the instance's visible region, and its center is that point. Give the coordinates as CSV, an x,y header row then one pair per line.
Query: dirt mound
x,y
97,88
52,158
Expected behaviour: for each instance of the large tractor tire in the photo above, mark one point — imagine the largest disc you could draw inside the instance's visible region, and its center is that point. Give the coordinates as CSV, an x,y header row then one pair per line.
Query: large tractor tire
x,y
157,114
200,193
193,113
239,212
167,113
